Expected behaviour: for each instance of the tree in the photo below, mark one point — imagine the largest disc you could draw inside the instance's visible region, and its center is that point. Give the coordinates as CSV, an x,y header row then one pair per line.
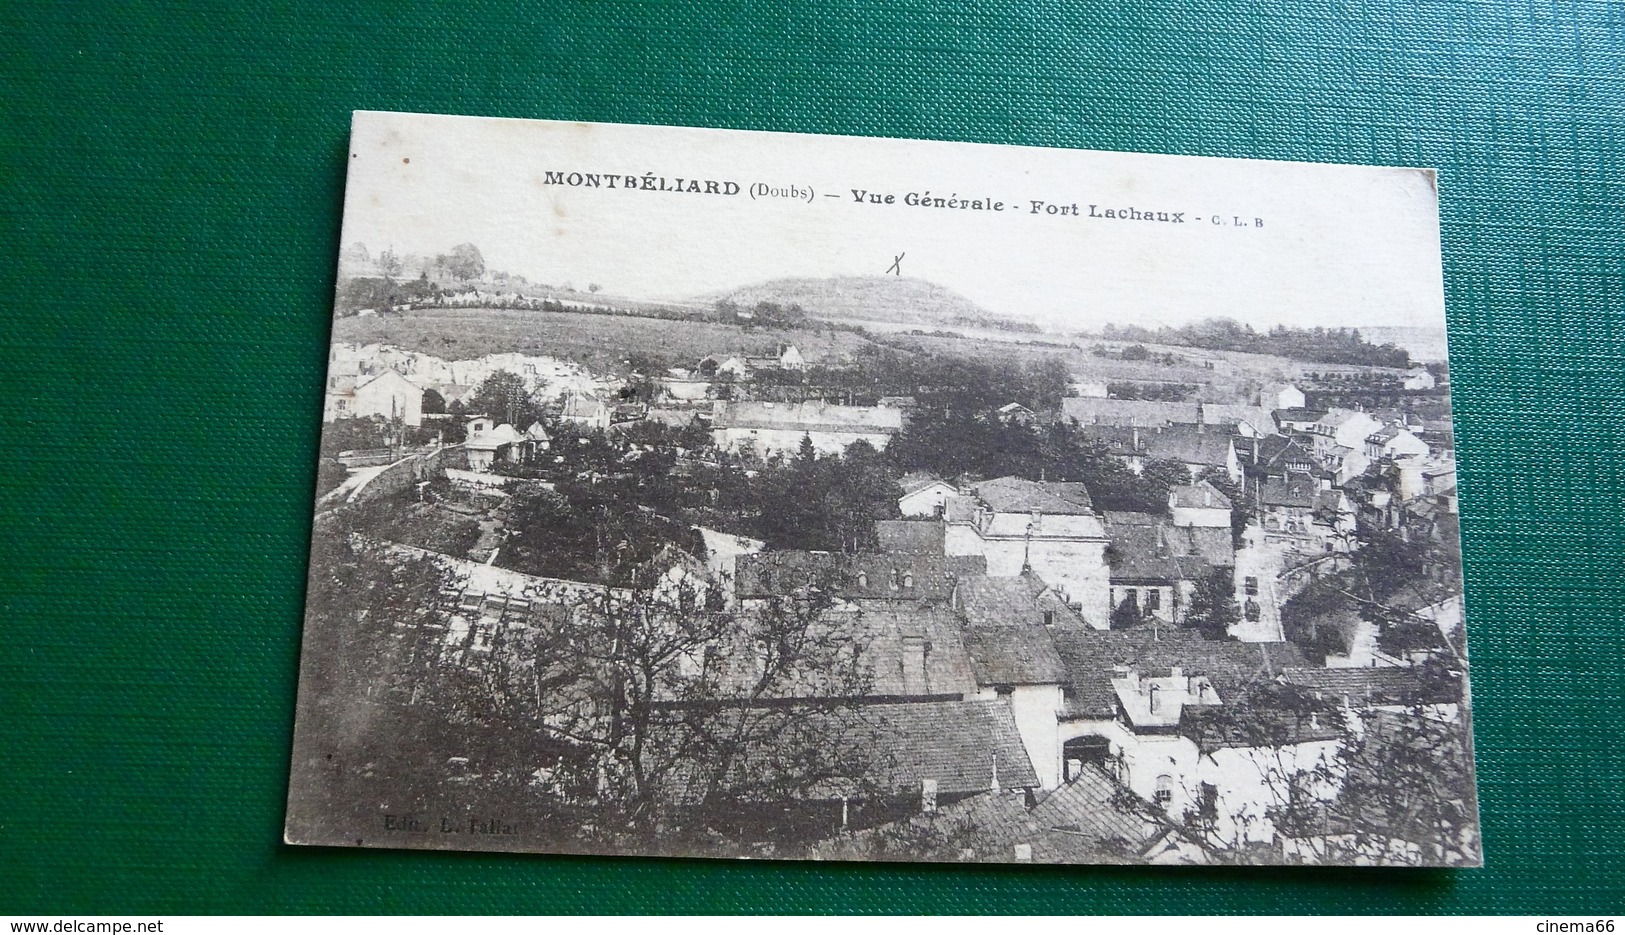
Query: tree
x,y
1127,613
687,716
1213,607
389,264
465,262
504,398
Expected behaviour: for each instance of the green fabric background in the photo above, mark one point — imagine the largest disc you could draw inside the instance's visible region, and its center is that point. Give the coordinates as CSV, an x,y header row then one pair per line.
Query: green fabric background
x,y
168,233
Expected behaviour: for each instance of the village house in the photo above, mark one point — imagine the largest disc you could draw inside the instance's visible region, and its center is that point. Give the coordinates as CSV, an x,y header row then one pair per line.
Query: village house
x,y
1280,396
1016,414
766,428
1138,705
1128,412
487,443
1418,379
589,412
1200,504
924,494
1297,419
1341,428
1392,443
1246,421
1199,448
386,394
1050,529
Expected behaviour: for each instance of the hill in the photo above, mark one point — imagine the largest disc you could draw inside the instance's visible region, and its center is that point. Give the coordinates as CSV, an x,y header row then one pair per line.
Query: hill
x,y
896,299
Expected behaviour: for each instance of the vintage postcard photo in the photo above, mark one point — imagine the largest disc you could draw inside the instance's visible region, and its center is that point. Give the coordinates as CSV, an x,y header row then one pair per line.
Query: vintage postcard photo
x,y
739,494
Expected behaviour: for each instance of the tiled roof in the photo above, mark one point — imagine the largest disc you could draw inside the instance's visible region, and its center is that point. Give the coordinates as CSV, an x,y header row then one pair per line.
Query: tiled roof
x,y
890,576
1299,491
1019,495
910,535
895,746
1393,685
1231,414
1085,821
1005,632
815,416
1215,727
1207,446
1200,495
1299,415
1090,410
1140,552
1090,655
916,481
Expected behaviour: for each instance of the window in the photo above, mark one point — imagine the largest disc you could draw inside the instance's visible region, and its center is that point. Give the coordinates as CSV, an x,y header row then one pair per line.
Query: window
x,y
1156,696
908,579
1153,598
1049,618
1165,790
1251,586
863,579
896,579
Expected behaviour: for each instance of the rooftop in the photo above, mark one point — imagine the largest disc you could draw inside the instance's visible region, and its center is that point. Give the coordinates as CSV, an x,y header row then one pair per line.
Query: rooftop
x,y
910,535
1019,495
1091,656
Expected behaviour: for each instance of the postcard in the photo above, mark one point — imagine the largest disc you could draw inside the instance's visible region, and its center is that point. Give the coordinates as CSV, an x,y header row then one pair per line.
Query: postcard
x,y
741,494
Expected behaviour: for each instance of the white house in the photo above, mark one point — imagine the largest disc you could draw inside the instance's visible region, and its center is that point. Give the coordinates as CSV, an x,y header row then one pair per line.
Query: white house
x,y
768,428
486,446
791,359
1200,504
586,411
1281,396
1347,428
390,395
1419,378
1050,529
924,494
1394,442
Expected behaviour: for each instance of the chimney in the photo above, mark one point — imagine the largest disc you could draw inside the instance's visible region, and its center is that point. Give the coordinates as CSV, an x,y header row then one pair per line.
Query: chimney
x,y
1176,672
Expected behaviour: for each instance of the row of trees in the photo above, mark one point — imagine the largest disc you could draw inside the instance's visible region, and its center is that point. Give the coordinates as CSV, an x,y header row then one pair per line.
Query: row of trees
x,y
1326,345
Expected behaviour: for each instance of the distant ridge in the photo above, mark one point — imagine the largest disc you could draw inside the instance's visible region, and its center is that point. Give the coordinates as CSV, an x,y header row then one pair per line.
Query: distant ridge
x,y
900,299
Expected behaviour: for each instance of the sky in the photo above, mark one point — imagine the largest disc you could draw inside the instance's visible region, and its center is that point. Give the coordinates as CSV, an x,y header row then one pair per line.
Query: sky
x,y
1262,242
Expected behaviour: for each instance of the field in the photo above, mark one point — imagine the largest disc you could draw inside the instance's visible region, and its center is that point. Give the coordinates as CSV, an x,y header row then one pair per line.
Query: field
x,y
601,343
598,342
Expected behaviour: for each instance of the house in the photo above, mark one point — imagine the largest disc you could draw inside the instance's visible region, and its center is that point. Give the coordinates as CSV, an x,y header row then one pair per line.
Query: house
x,y
490,444
1347,428
588,412
1007,633
1300,513
683,389
1128,412
791,359
1085,821
1297,419
1393,443
924,494
1050,529
386,394
1200,504
1163,714
1419,378
1199,448
870,576
731,367
1280,396
1016,413
1277,456
1247,421
766,428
